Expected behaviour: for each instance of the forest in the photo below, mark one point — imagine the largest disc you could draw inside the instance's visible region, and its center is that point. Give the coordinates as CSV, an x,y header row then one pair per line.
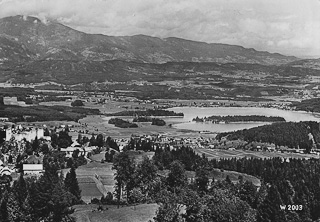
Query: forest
x,y
291,134
289,182
309,105
122,123
45,113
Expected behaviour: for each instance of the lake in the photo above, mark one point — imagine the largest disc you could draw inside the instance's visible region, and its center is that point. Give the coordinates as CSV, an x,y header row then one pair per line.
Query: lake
x,y
192,112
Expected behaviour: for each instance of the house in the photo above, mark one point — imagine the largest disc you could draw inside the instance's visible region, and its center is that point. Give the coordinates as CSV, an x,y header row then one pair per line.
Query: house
x,y
69,151
84,151
4,119
34,169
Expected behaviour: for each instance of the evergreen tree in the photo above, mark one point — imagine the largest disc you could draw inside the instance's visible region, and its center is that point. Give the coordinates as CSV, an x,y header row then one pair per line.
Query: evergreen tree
x,y
64,140
35,145
71,184
60,202
99,140
125,173
20,189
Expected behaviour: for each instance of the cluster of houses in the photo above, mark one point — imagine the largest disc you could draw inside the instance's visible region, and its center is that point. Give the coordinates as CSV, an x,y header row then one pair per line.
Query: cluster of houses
x,y
83,150
163,141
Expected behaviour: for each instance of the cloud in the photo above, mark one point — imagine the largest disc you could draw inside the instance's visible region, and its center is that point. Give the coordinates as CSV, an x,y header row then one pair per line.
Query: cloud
x,y
286,26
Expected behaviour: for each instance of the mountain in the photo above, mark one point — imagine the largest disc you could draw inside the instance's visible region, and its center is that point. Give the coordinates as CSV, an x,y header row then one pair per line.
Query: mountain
x,y
26,39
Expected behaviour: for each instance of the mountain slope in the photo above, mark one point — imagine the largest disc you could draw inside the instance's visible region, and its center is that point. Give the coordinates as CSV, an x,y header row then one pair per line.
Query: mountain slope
x,y
306,63
54,41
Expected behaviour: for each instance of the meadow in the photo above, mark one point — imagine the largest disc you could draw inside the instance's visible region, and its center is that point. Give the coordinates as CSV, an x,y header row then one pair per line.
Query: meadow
x,y
138,213
228,154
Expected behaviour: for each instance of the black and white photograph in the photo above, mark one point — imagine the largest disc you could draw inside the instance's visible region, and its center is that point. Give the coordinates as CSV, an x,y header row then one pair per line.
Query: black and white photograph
x,y
159,110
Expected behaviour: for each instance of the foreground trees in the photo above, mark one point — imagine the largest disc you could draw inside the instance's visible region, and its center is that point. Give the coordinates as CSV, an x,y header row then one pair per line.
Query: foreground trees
x,y
44,199
283,182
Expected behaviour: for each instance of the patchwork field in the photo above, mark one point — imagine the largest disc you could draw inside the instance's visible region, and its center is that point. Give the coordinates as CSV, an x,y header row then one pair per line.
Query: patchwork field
x,y
95,180
228,154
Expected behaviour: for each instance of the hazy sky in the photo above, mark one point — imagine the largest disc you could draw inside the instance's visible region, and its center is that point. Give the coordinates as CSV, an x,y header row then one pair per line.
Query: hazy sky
x,y
289,27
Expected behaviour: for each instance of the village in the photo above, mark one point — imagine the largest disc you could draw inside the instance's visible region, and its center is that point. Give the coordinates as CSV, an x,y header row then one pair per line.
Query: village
x,y
18,154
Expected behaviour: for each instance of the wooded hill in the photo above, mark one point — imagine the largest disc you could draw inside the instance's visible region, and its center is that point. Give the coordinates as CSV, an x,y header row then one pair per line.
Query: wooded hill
x,y
294,135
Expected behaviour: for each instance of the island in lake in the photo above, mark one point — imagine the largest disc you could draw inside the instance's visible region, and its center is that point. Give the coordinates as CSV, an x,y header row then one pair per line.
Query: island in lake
x,y
232,119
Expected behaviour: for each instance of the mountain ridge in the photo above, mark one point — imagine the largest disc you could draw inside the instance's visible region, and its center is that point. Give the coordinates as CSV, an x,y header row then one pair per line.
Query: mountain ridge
x,y
52,40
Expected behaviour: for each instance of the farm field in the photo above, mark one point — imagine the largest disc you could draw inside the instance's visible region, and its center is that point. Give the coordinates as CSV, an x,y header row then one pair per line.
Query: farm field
x,y
142,212
88,189
228,154
95,179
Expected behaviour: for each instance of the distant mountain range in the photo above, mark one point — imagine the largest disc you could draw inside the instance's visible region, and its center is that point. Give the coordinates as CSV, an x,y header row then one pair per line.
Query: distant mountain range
x,y
29,46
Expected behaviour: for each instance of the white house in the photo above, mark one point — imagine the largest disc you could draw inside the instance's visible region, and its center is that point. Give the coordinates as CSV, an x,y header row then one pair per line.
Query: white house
x,y
35,169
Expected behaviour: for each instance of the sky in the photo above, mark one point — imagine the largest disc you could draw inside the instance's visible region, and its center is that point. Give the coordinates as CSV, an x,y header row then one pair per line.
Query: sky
x,y
290,27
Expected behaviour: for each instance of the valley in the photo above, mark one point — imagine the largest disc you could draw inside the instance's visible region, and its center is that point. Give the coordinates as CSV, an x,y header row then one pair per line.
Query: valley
x,y
135,128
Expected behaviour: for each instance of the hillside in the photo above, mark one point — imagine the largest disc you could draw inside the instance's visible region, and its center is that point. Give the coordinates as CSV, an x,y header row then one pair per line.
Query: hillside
x,y
54,41
76,71
306,63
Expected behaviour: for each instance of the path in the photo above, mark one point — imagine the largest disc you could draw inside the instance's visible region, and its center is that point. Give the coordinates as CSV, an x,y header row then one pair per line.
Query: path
x,y
100,186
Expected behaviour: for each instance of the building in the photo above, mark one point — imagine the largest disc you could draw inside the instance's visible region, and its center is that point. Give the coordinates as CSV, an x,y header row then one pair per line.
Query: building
x,y
12,101
35,169
4,119
83,151
20,134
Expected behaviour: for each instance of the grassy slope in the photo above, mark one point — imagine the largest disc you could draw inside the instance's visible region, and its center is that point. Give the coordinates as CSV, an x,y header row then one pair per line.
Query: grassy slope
x,y
139,213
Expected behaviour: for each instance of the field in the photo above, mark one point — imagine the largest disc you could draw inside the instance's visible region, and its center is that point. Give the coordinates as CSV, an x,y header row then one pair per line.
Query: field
x,y
139,155
227,154
234,176
95,180
139,213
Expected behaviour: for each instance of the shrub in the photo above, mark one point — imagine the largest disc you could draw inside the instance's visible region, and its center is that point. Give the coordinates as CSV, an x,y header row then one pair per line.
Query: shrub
x,y
77,103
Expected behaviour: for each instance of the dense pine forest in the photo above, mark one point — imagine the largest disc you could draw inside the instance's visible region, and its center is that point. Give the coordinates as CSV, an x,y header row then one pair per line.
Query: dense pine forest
x,y
294,135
